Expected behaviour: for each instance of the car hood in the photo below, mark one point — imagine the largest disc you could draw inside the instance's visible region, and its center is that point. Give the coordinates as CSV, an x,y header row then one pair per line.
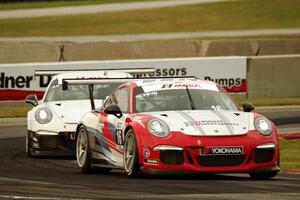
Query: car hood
x,y
207,122
71,111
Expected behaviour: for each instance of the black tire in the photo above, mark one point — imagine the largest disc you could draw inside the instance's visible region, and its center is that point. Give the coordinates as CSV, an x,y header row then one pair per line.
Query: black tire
x,y
130,155
29,150
83,155
262,175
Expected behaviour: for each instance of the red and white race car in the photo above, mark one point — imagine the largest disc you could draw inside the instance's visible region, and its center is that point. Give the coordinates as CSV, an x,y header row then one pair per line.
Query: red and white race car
x,y
178,123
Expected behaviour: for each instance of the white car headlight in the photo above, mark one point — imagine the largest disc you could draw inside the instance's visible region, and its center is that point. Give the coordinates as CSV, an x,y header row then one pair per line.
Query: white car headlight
x,y
43,115
263,126
158,128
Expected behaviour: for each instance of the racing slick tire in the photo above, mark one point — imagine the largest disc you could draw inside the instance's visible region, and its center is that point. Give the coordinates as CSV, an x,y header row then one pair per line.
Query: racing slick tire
x,y
83,155
29,150
130,156
262,175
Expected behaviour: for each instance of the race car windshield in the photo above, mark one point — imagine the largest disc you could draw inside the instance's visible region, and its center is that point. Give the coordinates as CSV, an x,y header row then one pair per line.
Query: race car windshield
x,y
79,92
180,99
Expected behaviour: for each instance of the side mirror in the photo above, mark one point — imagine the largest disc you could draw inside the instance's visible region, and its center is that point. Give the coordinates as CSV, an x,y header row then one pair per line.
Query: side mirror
x,y
113,110
248,107
32,99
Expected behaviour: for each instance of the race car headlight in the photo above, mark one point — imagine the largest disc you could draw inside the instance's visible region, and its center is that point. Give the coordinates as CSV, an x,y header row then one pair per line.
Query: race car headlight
x,y
263,126
158,128
43,115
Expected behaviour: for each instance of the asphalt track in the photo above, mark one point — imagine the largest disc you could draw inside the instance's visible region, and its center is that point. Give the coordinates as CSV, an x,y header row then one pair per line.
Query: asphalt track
x,y
59,178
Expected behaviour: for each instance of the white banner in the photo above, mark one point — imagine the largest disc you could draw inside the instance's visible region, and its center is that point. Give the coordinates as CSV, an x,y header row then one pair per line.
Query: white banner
x,y
17,80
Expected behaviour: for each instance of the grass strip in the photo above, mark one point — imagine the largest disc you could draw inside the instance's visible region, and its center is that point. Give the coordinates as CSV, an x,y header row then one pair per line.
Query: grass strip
x,y
290,154
14,109
231,15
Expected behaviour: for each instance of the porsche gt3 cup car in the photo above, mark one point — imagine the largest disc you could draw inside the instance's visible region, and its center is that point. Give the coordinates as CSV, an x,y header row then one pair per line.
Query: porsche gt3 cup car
x,y
52,122
168,124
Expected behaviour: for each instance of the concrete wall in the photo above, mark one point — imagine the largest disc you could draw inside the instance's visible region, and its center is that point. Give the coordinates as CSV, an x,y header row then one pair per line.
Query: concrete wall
x,y
253,47
19,52
273,76
127,50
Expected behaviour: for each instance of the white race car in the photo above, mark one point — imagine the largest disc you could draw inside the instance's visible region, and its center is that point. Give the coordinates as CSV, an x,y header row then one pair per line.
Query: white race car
x,y
52,122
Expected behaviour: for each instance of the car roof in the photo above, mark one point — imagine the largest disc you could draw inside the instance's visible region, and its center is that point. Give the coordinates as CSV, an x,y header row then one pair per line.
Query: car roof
x,y
92,75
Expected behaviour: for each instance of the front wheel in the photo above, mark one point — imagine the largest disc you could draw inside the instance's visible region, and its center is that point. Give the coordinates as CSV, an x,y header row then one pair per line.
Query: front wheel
x,y
130,155
263,175
29,150
83,154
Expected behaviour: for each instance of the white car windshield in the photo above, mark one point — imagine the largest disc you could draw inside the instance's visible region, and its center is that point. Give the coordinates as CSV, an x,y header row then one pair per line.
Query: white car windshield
x,y
181,99
78,92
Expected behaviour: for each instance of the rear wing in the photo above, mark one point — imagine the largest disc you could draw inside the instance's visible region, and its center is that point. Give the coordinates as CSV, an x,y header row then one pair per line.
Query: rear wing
x,y
92,81
125,70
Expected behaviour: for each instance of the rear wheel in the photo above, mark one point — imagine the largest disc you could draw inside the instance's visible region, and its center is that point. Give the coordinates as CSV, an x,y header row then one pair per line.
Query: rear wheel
x,y
83,154
130,156
263,175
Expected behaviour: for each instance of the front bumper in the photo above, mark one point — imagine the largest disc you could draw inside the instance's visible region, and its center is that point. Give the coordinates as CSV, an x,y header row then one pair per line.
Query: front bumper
x,y
49,143
183,152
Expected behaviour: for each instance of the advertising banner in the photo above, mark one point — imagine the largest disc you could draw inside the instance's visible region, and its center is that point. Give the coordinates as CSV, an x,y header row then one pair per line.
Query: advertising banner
x,y
18,80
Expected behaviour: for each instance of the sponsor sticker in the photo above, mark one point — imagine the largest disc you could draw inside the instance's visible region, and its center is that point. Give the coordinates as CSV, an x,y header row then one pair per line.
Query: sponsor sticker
x,y
146,152
232,150
209,123
147,94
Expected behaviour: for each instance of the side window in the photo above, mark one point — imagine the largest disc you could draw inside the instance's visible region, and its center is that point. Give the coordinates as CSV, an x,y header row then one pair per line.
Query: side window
x,y
54,93
122,99
107,103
